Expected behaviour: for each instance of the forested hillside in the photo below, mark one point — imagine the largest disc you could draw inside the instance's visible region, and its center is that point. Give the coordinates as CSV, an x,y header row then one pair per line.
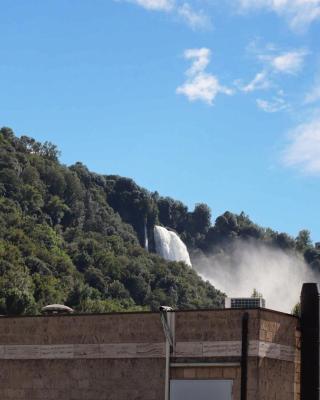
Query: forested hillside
x,y
71,236
68,235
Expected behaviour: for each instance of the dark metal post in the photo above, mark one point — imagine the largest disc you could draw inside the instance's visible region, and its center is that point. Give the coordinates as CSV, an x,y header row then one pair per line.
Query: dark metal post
x,y
244,356
310,342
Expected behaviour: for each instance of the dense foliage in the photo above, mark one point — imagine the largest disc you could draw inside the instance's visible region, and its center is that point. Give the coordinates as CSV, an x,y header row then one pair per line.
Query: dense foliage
x,y
71,236
68,235
137,207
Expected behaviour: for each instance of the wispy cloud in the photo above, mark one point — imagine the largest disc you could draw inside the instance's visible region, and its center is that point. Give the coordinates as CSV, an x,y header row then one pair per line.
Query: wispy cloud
x,y
275,105
196,19
199,84
290,62
314,93
259,82
299,13
200,60
274,63
156,5
303,149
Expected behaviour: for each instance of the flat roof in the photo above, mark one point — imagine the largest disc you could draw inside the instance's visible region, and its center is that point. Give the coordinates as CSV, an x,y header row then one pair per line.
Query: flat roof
x,y
75,314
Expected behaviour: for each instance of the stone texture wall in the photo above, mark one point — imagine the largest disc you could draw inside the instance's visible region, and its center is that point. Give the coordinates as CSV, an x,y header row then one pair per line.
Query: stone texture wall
x,y
82,379
280,379
122,356
218,325
64,376
274,351
72,329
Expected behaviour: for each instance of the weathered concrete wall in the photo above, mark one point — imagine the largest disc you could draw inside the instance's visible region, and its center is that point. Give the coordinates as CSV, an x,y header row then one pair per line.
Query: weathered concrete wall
x,y
82,357
82,379
279,367
122,356
217,325
69,329
274,350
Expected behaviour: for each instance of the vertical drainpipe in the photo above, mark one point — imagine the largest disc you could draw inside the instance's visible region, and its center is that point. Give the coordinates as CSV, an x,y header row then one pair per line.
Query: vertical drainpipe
x,y
244,356
168,324
310,342
167,377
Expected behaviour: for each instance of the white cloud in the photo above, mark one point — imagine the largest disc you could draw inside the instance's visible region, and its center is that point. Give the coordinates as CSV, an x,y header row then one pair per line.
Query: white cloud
x,y
156,5
259,82
201,85
276,105
299,13
287,63
201,59
275,62
303,150
314,94
195,19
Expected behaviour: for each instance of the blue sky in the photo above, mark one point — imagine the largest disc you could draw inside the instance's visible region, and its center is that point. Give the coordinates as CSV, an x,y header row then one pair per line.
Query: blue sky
x,y
214,101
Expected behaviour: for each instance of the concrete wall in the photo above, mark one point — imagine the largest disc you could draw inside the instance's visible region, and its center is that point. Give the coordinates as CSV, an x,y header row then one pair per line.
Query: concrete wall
x,y
279,376
274,351
82,379
122,356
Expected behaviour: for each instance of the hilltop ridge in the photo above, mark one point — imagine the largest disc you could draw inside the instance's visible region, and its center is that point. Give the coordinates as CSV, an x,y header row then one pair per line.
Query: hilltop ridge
x,y
69,235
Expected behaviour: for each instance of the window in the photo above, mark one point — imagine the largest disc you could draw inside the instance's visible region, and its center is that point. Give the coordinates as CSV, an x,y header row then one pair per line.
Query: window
x,y
200,389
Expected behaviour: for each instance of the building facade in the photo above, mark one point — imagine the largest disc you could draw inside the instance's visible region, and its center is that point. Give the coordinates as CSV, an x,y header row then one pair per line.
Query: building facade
x,y
223,354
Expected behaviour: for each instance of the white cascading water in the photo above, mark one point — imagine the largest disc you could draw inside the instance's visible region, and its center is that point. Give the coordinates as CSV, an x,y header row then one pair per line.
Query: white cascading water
x,y
169,246
146,241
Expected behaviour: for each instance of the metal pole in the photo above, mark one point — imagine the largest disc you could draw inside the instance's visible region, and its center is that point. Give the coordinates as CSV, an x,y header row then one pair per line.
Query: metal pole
x,y
244,357
167,377
167,317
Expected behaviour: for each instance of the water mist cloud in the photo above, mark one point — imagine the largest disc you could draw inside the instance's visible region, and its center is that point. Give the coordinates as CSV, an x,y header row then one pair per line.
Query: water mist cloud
x,y
277,274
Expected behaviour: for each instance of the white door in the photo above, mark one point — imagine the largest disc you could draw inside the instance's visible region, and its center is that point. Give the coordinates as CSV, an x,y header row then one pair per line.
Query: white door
x,y
200,389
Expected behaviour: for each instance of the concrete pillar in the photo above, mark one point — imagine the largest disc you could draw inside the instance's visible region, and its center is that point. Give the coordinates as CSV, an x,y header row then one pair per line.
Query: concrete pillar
x,y
310,342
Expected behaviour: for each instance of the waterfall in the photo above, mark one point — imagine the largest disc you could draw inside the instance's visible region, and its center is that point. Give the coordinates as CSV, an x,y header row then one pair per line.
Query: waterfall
x,y
146,241
170,246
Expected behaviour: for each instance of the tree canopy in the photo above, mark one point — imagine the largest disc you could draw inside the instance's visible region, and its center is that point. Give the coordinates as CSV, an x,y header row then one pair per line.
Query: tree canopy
x,y
69,235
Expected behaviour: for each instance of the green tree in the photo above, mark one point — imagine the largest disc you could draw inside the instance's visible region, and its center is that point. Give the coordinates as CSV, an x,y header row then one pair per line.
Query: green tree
x,y
284,241
296,310
201,218
56,209
31,199
256,295
303,240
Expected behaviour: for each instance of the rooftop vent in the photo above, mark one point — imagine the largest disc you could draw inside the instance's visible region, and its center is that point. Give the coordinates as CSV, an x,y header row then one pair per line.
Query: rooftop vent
x,y
245,302
57,309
